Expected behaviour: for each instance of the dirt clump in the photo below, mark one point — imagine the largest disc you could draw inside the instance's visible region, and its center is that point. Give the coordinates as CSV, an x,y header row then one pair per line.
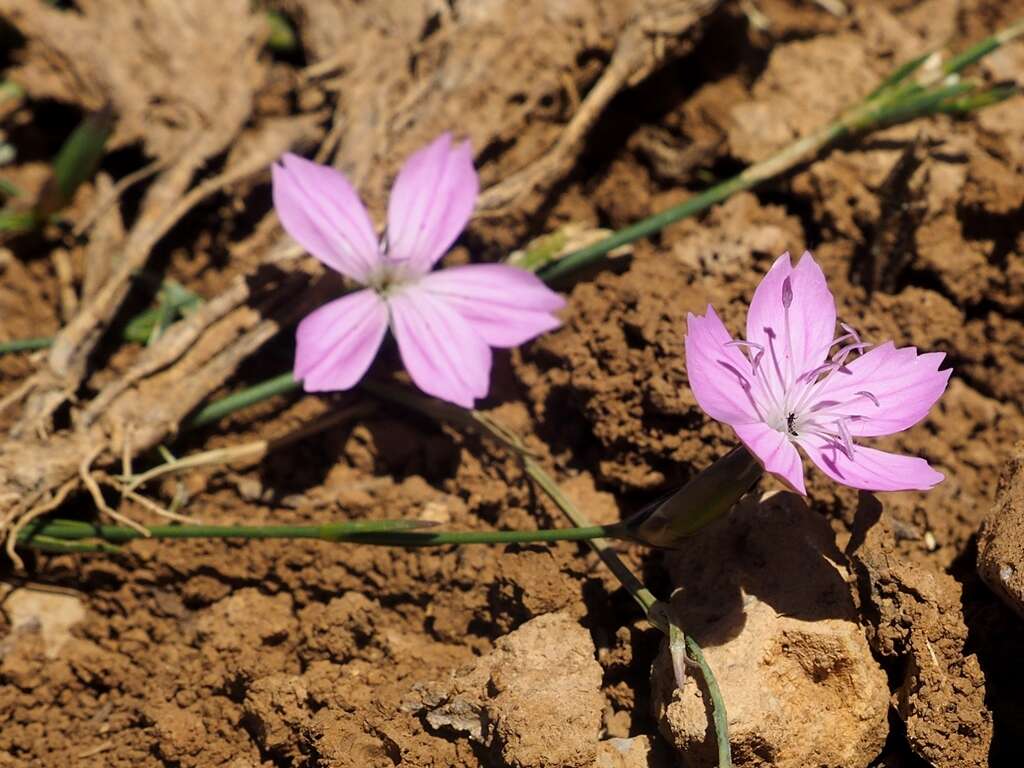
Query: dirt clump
x,y
543,673
636,752
1001,538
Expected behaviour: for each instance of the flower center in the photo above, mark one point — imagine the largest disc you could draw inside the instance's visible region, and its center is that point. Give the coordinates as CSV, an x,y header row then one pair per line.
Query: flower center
x,y
391,277
392,274
793,404
384,280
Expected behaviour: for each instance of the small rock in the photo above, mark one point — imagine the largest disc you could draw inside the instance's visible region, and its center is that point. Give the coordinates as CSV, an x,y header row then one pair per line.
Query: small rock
x,y
765,595
276,710
535,700
1001,538
51,614
636,752
250,634
181,733
247,617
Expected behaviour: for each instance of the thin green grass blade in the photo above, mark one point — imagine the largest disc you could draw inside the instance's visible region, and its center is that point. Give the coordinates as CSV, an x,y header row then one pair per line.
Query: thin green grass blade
x,y
975,101
925,103
76,162
899,74
392,533
18,221
174,301
282,38
24,345
279,385
61,546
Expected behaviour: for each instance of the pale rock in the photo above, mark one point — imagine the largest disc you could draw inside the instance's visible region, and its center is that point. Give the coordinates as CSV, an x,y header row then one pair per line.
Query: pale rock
x,y
51,614
635,752
764,592
535,700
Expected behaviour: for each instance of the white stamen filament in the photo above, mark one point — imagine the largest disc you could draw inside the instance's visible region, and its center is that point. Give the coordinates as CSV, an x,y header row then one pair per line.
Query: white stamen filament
x,y
792,405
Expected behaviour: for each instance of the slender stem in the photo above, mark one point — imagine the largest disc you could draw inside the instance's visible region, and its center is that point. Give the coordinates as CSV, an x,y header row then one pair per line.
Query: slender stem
x,y
23,345
782,161
278,385
394,533
718,713
417,539
643,228
685,650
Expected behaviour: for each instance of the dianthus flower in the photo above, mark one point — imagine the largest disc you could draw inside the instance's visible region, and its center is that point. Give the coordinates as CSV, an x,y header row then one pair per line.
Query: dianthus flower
x,y
444,322
794,384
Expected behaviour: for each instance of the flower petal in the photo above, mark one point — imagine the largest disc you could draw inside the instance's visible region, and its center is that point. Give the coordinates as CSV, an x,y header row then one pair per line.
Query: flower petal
x,y
901,388
720,376
776,453
506,305
337,342
803,342
320,210
870,469
431,202
443,353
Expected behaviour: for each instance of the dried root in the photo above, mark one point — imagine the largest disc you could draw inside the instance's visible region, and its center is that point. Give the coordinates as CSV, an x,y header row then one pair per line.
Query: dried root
x,y
185,87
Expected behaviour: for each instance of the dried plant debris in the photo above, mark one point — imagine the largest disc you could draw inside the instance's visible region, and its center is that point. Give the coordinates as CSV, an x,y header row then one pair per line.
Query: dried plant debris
x,y
181,76
411,71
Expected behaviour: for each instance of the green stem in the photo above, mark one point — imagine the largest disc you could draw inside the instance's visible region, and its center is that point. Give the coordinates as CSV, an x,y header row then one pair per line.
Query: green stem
x,y
395,533
685,650
984,47
22,345
718,713
278,385
643,228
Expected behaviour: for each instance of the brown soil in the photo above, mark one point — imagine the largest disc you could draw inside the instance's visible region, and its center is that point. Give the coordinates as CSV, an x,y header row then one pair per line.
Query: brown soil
x,y
311,654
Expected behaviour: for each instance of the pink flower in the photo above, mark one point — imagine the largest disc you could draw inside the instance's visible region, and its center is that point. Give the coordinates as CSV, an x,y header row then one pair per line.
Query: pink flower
x,y
445,322
787,392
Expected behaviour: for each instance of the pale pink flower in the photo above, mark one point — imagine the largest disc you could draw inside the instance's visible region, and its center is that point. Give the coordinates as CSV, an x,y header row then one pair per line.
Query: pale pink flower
x,y
780,389
445,322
